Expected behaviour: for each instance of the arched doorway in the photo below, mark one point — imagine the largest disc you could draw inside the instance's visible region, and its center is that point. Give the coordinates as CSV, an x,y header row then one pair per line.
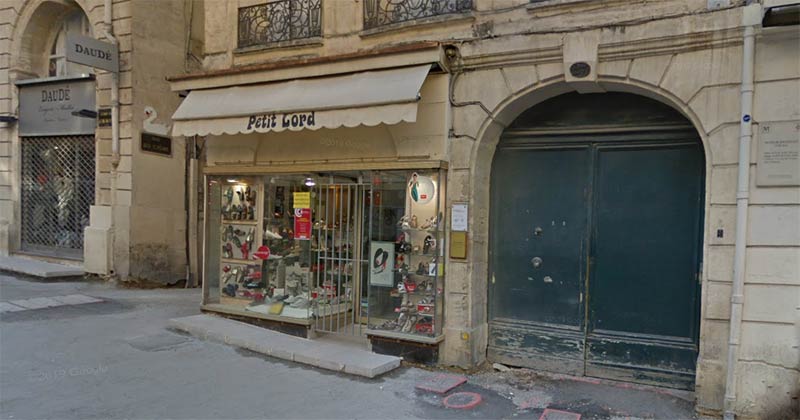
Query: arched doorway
x,y
596,239
56,133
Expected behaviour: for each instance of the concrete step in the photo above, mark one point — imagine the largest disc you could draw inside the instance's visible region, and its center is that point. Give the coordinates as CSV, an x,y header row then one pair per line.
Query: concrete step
x,y
325,354
41,269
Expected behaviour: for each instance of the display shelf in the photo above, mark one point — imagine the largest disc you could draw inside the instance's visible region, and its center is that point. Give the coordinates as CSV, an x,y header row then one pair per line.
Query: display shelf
x,y
421,230
406,336
238,261
239,222
424,200
226,306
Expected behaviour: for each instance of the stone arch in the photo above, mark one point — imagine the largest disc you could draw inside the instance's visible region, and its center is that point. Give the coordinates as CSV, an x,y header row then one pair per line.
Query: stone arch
x,y
33,34
482,154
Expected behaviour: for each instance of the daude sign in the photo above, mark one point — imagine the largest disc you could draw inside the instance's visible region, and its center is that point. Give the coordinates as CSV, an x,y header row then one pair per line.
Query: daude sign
x,y
91,52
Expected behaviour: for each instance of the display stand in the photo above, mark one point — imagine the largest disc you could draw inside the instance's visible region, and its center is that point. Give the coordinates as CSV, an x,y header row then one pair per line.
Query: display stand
x,y
406,309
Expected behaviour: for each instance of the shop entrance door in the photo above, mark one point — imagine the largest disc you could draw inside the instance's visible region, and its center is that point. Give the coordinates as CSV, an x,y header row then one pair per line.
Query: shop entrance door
x,y
338,263
595,255
57,191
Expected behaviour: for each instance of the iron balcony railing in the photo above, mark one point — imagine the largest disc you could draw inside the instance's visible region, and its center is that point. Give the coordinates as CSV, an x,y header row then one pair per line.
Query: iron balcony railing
x,y
278,21
386,12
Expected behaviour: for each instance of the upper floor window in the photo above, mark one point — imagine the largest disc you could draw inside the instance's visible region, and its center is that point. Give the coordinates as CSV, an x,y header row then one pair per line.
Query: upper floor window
x,y
386,12
57,65
277,21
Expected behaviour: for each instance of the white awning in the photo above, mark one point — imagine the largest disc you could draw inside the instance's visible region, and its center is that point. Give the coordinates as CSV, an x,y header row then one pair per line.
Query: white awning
x,y
368,98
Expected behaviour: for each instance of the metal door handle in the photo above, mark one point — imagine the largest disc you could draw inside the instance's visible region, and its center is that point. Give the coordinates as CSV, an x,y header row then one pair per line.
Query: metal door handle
x,y
536,262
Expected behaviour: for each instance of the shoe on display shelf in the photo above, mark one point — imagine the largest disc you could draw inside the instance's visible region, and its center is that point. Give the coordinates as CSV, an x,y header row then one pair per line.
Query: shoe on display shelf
x,y
230,290
300,303
272,235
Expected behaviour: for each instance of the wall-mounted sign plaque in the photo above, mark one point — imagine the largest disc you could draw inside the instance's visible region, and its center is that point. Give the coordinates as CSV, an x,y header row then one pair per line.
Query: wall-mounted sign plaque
x,y
156,144
778,154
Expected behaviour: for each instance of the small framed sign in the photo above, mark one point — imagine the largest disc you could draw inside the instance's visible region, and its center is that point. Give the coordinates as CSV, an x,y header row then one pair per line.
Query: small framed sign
x,y
104,117
153,143
459,217
458,245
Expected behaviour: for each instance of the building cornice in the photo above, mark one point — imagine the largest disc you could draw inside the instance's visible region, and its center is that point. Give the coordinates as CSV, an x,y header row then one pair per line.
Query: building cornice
x,y
376,58
625,50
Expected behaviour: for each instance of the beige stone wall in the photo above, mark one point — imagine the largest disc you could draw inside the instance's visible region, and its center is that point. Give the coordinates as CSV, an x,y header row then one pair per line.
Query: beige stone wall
x,y
158,214
513,55
9,11
120,205
148,207
700,76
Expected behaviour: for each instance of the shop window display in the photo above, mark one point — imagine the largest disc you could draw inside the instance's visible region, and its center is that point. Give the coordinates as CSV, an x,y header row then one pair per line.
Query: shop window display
x,y
348,252
406,254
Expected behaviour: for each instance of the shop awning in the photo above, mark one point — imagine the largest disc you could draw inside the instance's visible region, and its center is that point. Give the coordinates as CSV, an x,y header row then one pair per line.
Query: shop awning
x,y
367,98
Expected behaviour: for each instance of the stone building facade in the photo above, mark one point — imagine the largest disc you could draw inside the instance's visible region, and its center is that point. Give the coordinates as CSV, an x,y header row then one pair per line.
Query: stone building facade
x,y
502,58
509,88
133,211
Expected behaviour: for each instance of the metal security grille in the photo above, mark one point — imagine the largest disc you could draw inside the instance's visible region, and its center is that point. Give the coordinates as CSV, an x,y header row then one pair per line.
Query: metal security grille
x,y
57,190
339,266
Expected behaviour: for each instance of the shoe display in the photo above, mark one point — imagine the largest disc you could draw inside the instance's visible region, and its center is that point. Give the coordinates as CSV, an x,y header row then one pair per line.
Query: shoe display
x,y
272,235
300,303
421,269
409,285
429,245
404,223
320,274
230,290
245,249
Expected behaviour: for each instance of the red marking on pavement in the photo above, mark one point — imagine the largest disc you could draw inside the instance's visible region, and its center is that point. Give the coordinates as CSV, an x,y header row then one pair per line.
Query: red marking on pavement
x,y
440,384
553,414
462,400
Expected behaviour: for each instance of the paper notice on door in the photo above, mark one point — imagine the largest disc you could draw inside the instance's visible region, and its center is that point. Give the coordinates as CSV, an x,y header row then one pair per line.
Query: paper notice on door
x,y
302,200
459,217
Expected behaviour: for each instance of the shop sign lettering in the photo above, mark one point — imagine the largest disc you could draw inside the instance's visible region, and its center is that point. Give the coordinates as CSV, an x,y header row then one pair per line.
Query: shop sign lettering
x,y
92,52
55,95
272,121
153,143
52,108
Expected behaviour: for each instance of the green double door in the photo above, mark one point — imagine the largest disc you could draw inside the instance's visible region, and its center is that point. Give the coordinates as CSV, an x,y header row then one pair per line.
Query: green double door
x,y
595,257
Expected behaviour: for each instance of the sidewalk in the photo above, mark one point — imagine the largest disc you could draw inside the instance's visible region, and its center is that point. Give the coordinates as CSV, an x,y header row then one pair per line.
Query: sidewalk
x,y
40,269
332,355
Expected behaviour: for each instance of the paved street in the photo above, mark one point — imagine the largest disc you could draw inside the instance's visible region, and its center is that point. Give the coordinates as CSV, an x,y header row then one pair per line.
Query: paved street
x,y
117,359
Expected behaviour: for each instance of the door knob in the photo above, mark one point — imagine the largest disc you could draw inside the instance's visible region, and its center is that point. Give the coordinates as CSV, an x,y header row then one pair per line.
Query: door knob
x,y
537,262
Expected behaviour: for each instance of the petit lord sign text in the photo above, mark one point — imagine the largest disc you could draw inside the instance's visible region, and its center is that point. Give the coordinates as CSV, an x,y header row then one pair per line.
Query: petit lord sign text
x,y
271,121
